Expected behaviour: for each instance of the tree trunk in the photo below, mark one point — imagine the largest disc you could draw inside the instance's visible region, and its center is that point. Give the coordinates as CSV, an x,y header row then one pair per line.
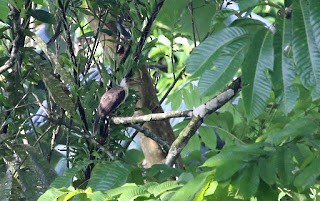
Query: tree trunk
x,y
149,101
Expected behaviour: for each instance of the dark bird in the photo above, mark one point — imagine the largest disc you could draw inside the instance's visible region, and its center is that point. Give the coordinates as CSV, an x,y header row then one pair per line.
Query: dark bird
x,y
109,102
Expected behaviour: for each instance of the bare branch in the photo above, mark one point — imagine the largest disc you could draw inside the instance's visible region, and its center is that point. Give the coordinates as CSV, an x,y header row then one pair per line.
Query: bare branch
x,y
197,118
151,117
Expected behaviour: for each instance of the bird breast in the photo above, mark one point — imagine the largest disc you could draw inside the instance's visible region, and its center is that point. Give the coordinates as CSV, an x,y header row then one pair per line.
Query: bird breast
x,y
111,100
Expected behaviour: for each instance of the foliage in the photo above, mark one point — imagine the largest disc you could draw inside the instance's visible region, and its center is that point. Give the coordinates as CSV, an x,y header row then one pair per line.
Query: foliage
x,y
269,133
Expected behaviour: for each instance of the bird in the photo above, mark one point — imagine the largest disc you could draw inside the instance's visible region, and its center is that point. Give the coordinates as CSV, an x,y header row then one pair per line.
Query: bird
x,y
109,102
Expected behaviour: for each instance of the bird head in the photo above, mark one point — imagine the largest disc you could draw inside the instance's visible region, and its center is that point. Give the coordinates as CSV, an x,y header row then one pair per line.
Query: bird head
x,y
125,82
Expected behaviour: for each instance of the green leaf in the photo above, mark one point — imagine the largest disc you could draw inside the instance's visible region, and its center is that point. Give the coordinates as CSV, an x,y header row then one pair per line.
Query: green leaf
x,y
193,145
314,20
133,193
306,54
4,10
175,99
45,172
248,181
133,156
52,194
162,172
284,72
106,176
308,175
227,170
203,56
5,181
38,1
42,15
255,73
159,189
225,66
35,175
4,59
57,89
188,192
181,20
235,153
244,5
208,137
188,97
98,196
66,179
267,170
285,165
295,128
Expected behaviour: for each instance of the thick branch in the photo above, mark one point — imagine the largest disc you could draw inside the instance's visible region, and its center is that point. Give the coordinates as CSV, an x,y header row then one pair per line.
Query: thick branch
x,y
197,118
151,117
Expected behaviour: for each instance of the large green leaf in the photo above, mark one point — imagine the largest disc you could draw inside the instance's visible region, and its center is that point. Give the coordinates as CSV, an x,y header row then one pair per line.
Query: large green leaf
x,y
159,189
295,128
314,20
284,165
57,89
4,10
284,74
106,176
52,194
67,178
267,170
224,68
188,192
305,51
227,170
187,17
309,175
243,5
203,56
255,73
42,15
208,137
235,153
248,181
133,193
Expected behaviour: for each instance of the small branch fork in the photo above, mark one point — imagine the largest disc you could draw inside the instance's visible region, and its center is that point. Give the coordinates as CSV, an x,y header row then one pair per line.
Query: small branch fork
x,y
197,116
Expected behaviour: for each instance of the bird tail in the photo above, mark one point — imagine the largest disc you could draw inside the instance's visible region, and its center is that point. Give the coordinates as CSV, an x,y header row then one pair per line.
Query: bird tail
x,y
105,127
101,126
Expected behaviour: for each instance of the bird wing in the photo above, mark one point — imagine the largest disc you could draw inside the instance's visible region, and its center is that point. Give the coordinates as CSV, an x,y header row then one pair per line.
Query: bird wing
x,y
111,100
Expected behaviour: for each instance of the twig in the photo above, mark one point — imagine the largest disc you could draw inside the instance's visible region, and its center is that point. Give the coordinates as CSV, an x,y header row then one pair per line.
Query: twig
x,y
74,61
171,87
190,7
145,32
163,144
197,118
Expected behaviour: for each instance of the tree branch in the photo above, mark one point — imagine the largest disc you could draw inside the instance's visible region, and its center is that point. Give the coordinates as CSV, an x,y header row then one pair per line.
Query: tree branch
x,y
18,41
163,144
151,117
145,32
197,118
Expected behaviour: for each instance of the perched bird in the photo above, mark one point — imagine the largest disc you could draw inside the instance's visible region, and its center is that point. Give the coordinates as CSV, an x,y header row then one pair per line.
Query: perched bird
x,y
109,102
